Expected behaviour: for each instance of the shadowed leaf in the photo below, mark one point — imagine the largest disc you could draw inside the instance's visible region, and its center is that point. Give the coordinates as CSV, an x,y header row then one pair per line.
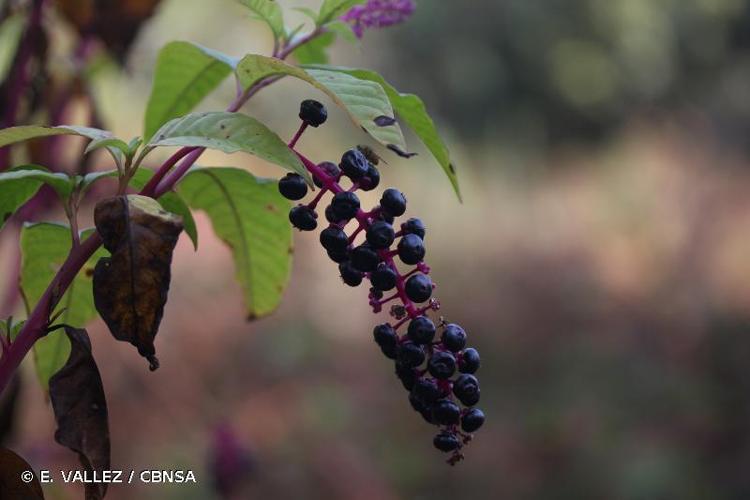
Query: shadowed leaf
x,y
80,408
130,287
11,485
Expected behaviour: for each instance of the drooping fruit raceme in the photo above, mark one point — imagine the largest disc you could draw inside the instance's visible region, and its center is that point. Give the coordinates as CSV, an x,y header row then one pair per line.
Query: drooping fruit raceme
x,y
431,356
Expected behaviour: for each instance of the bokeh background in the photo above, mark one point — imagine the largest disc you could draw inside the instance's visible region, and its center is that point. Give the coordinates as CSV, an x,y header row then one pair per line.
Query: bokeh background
x,y
599,262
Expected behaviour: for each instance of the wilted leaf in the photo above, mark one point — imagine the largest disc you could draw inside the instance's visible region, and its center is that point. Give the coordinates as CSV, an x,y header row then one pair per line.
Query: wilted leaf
x,y
12,486
131,286
80,408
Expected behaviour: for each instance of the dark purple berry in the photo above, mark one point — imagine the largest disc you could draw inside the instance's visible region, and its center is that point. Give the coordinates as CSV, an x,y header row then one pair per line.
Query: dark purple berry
x,y
446,441
407,375
410,354
386,217
330,216
469,362
380,235
385,335
466,389
454,337
338,256
414,226
419,287
388,351
303,218
446,412
375,293
313,113
292,187
351,276
417,403
383,278
364,258
371,180
344,205
472,420
354,164
411,249
393,202
334,239
426,389
442,365
329,168
421,330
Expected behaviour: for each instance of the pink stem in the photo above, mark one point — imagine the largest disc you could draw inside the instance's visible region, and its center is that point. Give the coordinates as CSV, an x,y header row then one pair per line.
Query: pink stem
x,y
299,133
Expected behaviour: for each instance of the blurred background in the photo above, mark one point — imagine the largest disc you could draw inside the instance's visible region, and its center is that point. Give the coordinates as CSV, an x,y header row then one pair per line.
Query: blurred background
x,y
599,263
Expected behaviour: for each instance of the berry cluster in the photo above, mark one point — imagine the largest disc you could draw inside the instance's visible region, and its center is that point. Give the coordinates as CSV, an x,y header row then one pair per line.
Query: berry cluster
x,y
432,360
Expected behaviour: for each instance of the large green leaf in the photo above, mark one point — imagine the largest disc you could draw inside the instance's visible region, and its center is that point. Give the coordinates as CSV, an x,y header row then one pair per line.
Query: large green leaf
x,y
229,132
185,74
332,9
44,247
316,50
251,216
365,101
412,111
268,11
27,132
17,186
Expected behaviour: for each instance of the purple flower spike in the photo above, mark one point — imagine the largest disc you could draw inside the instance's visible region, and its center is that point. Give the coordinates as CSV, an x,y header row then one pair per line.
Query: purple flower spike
x,y
378,14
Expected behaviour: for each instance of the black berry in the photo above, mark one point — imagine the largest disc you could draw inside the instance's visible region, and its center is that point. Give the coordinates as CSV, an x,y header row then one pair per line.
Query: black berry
x,y
469,361
344,205
351,276
410,354
386,217
442,365
385,336
419,287
331,169
380,235
426,389
303,218
383,278
313,113
338,256
472,420
466,389
454,337
371,180
446,441
292,187
330,216
334,239
417,403
407,375
446,412
393,202
421,330
354,164
364,258
411,249
414,226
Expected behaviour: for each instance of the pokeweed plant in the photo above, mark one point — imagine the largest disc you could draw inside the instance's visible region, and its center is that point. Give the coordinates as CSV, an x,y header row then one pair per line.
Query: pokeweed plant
x,y
120,269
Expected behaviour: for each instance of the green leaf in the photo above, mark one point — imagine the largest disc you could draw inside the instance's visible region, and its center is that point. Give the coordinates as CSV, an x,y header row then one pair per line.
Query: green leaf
x,y
229,132
344,30
89,179
27,132
316,50
412,111
364,100
18,185
185,74
332,9
308,12
268,11
111,143
171,202
44,247
250,215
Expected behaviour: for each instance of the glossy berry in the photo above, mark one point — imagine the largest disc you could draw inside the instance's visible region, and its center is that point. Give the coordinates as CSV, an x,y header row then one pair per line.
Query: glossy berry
x,y
410,354
313,113
472,420
414,226
331,169
442,365
354,164
364,258
393,202
426,390
418,403
334,239
466,389
446,441
418,288
446,412
385,336
338,256
371,180
407,375
386,217
380,235
303,218
469,361
330,216
344,205
351,276
454,337
411,249
421,330
383,278
292,187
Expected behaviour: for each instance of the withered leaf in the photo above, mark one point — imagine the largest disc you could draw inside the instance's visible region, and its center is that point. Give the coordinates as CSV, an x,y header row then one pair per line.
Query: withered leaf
x,y
80,409
131,286
12,487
